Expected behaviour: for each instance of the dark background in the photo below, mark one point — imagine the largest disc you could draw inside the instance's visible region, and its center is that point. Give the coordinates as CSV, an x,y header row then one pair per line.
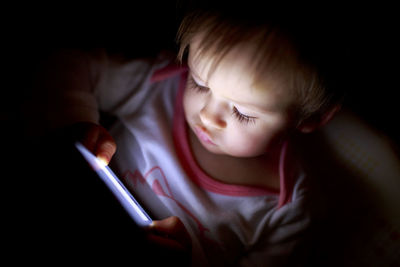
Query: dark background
x,y
45,213
141,29
55,209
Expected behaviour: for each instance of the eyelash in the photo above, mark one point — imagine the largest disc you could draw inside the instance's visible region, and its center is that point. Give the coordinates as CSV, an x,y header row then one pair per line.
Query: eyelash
x,y
241,117
195,86
235,112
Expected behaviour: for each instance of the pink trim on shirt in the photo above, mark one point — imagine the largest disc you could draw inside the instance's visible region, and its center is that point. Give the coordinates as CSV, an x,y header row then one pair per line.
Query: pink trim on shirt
x,y
286,178
169,70
194,171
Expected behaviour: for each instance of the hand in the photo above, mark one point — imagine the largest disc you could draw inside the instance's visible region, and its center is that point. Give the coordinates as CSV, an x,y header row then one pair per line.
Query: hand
x,y
96,139
171,236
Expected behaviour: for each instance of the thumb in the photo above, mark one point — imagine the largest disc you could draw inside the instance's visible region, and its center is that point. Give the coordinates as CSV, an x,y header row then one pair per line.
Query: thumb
x,y
169,225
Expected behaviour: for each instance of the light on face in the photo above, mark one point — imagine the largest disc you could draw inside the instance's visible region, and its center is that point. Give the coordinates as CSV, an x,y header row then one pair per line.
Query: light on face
x,y
117,188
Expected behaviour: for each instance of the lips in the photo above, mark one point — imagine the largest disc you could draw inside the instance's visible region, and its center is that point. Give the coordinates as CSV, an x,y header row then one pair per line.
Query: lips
x,y
203,135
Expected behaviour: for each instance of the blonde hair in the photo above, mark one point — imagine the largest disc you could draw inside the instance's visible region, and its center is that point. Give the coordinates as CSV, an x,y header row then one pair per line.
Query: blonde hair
x,y
278,48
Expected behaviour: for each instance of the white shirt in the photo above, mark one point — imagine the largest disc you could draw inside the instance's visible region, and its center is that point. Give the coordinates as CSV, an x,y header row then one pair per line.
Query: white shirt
x,y
229,224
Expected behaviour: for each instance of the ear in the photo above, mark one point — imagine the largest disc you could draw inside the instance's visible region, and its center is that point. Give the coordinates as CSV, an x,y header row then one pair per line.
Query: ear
x,y
315,122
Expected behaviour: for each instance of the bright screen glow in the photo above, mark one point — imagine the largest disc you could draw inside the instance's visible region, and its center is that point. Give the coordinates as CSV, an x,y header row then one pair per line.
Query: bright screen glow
x,y
117,188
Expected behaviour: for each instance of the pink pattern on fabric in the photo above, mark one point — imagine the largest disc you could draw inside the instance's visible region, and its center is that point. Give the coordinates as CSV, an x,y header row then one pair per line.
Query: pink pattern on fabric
x,y
134,177
157,188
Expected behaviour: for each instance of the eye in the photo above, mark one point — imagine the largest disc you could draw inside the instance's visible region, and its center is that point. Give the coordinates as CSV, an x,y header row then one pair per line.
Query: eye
x,y
242,118
195,86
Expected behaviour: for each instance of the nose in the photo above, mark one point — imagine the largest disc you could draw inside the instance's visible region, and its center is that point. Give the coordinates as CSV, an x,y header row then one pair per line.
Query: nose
x,y
211,115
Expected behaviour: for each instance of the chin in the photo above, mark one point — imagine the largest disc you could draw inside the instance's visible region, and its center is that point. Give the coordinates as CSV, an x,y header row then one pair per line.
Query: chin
x,y
246,154
236,154
214,150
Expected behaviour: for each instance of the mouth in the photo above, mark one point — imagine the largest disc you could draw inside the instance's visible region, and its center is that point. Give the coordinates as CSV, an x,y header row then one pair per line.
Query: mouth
x,y
203,135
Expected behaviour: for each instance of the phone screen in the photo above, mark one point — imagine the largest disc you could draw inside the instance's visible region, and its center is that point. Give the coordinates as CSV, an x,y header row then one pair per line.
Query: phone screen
x,y
118,189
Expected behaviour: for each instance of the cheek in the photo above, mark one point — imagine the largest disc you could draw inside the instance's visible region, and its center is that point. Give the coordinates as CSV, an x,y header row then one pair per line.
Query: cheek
x,y
244,144
253,143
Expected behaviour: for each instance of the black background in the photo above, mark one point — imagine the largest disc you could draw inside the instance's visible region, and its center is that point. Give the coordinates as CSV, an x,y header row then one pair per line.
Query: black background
x,y
45,212
141,29
55,209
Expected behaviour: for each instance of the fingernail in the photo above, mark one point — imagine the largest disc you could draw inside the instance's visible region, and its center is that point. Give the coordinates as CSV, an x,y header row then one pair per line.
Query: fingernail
x,y
104,159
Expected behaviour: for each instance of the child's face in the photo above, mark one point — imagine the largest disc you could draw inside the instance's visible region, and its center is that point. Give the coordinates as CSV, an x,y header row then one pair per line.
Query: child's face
x,y
228,113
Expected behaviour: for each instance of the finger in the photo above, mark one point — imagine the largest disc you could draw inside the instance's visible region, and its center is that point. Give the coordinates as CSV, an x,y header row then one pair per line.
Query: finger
x,y
90,135
173,228
105,147
105,151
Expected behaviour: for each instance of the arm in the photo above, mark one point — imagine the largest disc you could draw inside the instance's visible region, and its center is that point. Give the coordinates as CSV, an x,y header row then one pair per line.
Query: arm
x,y
64,88
73,85
79,84
64,98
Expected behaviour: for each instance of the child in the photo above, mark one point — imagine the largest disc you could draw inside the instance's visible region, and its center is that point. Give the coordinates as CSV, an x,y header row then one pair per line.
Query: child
x,y
208,146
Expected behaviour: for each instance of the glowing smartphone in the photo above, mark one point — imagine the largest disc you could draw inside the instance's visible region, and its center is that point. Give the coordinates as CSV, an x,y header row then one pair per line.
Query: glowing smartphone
x,y
122,194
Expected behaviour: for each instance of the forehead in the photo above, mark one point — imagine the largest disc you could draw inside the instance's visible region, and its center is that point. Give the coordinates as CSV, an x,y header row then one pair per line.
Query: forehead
x,y
232,76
